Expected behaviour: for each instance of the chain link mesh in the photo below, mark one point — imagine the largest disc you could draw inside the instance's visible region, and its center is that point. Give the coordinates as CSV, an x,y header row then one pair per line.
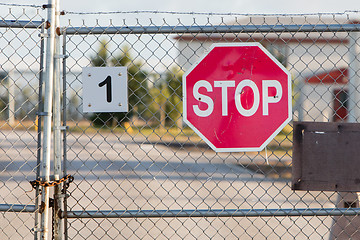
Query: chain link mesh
x,y
148,160
19,103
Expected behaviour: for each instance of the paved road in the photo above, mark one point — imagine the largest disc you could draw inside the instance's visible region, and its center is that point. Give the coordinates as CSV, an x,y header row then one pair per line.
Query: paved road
x,y
118,172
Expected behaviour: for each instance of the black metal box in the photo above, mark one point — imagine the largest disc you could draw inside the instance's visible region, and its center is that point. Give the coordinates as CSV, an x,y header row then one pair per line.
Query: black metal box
x,y
326,156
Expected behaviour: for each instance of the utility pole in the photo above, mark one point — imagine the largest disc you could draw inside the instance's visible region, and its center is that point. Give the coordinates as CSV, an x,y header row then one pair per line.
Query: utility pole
x,y
11,98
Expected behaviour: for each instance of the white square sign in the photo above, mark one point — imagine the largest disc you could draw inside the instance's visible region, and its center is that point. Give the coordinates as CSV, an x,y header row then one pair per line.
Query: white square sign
x,y
105,89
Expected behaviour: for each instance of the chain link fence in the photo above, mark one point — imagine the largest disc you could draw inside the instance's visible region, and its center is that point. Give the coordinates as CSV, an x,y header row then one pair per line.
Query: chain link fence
x,y
20,70
144,174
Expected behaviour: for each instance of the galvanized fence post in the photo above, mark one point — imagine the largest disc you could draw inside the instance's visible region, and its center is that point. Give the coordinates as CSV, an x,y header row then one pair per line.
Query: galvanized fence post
x,y
64,125
47,117
57,225
39,127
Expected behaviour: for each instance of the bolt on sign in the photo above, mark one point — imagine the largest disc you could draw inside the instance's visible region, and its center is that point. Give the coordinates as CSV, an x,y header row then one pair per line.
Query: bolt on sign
x,y
105,89
237,97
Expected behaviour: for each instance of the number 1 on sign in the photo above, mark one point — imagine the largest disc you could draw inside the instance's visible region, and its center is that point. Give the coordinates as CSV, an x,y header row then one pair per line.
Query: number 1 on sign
x,y
107,82
105,89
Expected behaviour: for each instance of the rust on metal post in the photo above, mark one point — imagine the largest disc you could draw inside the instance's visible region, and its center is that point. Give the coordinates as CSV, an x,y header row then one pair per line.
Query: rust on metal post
x,y
47,25
58,31
42,207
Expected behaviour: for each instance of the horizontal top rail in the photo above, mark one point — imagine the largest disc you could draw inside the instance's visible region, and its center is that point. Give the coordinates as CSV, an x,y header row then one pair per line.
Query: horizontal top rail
x,y
215,213
212,29
20,24
188,29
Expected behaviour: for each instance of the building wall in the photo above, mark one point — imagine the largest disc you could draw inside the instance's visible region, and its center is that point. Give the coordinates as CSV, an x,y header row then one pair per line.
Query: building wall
x,y
304,59
190,52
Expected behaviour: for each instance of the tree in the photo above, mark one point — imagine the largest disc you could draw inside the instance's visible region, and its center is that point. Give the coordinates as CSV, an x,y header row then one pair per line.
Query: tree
x,y
167,94
160,94
174,106
102,55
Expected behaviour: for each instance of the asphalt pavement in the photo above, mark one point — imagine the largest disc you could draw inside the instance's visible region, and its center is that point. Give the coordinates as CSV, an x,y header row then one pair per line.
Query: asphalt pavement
x,y
118,172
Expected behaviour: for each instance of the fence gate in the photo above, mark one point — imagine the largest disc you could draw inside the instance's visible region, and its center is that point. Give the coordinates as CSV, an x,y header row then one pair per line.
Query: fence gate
x,y
144,174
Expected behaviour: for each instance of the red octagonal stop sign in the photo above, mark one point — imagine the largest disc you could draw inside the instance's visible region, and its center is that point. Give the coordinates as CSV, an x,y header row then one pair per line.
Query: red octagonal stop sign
x,y
237,97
